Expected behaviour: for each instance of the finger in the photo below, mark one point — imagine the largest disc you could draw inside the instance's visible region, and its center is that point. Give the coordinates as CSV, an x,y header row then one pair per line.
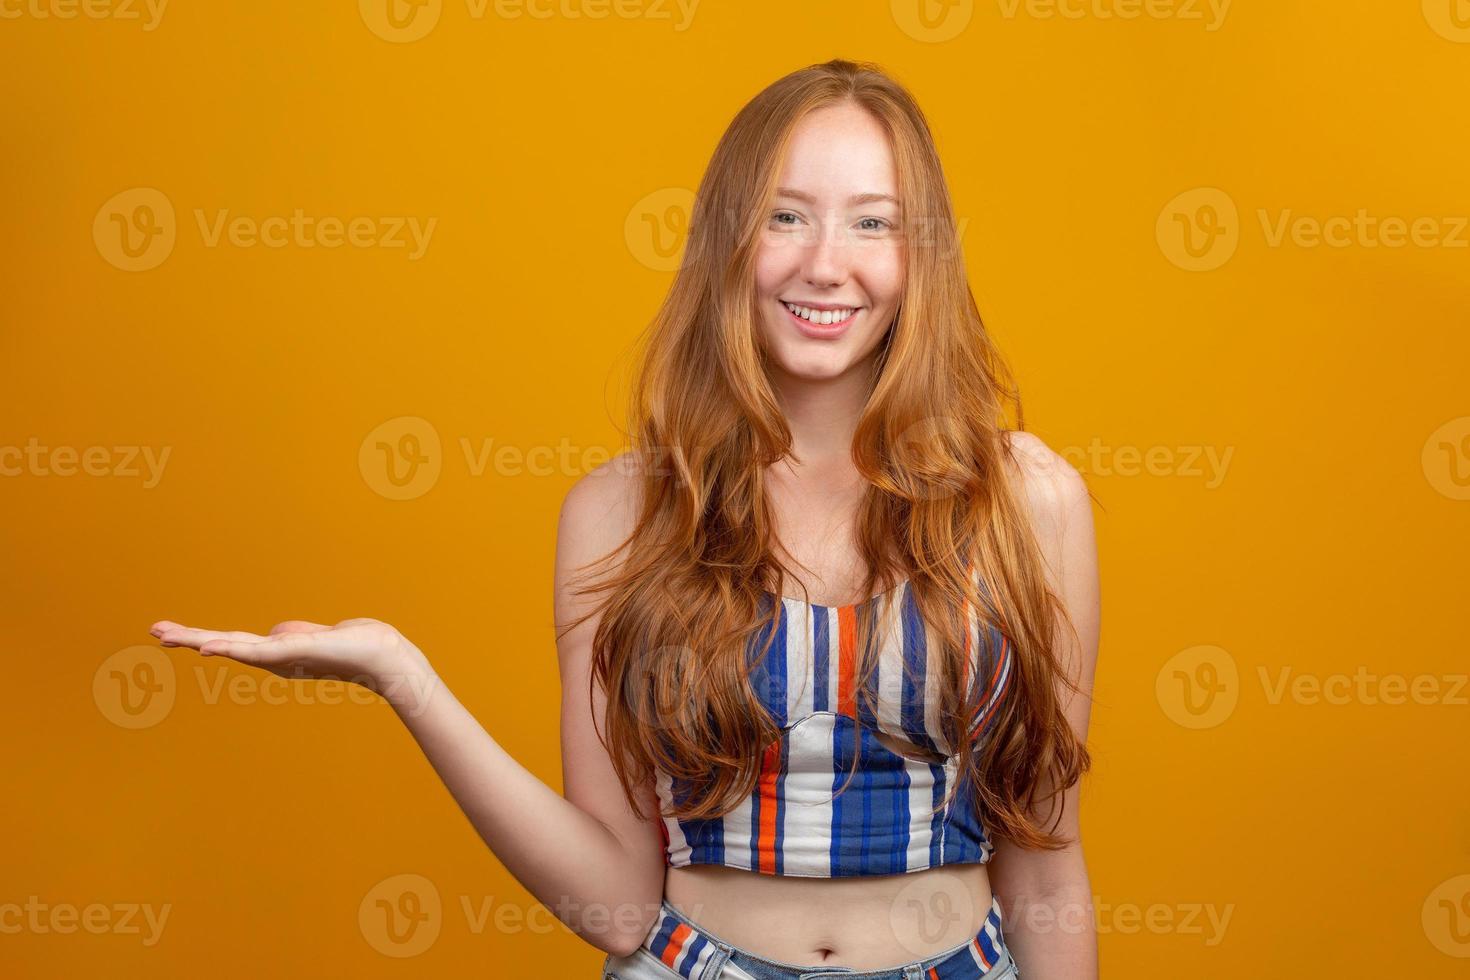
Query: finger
x,y
298,626
267,651
260,652
184,636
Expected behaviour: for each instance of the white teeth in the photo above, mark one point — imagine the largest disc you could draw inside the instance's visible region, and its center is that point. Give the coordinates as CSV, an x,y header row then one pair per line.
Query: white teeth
x,y
822,317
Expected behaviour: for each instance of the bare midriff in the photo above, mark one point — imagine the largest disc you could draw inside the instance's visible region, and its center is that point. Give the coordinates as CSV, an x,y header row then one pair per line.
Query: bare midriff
x,y
871,922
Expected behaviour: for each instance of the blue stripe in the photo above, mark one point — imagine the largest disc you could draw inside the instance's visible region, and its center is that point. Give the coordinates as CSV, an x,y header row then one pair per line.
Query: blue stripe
x,y
915,673
845,827
753,840
664,936
706,838
899,854
768,676
691,960
992,650
821,659
987,947
865,696
936,822
776,664
781,808
962,842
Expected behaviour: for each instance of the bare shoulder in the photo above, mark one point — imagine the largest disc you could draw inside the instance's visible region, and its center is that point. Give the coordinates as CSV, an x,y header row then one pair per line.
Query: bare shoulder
x,y
1051,487
606,493
598,513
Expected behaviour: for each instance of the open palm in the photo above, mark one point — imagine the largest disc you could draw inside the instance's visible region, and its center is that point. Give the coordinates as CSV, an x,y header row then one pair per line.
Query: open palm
x,y
362,651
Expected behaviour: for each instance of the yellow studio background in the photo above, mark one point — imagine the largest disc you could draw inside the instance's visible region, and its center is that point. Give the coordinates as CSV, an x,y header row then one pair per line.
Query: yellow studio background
x,y
316,311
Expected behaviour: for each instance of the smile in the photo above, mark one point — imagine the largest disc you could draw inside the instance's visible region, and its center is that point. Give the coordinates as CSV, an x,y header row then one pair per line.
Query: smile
x,y
821,318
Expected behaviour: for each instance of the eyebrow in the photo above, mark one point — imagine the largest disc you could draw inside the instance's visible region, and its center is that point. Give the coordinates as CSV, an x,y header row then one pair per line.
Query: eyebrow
x,y
867,198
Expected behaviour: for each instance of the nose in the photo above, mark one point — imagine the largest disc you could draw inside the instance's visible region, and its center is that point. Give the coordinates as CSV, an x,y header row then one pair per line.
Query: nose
x,y
825,258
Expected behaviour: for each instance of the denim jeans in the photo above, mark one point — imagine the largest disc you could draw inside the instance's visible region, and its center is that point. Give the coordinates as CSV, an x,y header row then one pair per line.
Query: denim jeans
x,y
678,949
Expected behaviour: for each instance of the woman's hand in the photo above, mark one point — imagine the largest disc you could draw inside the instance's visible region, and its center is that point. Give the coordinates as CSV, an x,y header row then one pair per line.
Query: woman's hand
x,y
368,652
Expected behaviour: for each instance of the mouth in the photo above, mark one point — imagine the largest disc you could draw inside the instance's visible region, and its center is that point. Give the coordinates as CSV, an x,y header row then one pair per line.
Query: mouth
x,y
822,317
824,324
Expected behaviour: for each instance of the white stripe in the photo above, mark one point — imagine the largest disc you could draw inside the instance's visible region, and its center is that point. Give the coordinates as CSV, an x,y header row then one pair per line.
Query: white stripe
x,y
683,953
737,824
978,955
807,829
889,710
1000,684
951,768
994,939
705,955
920,803
932,693
799,648
679,849
834,646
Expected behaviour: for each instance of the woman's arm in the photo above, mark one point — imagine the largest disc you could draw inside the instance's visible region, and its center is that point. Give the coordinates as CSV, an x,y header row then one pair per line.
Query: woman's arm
x,y
586,856
1046,898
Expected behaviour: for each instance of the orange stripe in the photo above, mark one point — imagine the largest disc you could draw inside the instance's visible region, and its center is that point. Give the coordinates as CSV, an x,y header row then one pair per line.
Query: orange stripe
x,y
677,939
766,839
976,943
990,690
847,661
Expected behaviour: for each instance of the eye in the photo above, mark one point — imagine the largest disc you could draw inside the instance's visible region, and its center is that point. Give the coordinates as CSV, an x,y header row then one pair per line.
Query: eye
x,y
776,218
883,224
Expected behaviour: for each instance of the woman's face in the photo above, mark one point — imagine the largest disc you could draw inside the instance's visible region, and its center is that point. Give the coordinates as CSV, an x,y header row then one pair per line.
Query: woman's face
x,y
832,245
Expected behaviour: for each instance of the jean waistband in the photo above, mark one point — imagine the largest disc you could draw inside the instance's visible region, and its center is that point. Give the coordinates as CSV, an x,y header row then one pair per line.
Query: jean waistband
x,y
691,952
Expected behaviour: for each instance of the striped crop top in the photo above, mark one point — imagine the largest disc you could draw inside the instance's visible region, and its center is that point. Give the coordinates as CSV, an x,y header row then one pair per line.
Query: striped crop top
x,y
813,813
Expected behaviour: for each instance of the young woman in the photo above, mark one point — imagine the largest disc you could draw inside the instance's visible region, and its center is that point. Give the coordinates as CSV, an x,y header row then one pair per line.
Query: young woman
x,y
829,715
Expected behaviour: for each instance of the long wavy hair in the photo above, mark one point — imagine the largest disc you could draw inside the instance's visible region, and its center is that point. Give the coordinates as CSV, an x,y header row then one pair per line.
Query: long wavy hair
x,y
672,650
